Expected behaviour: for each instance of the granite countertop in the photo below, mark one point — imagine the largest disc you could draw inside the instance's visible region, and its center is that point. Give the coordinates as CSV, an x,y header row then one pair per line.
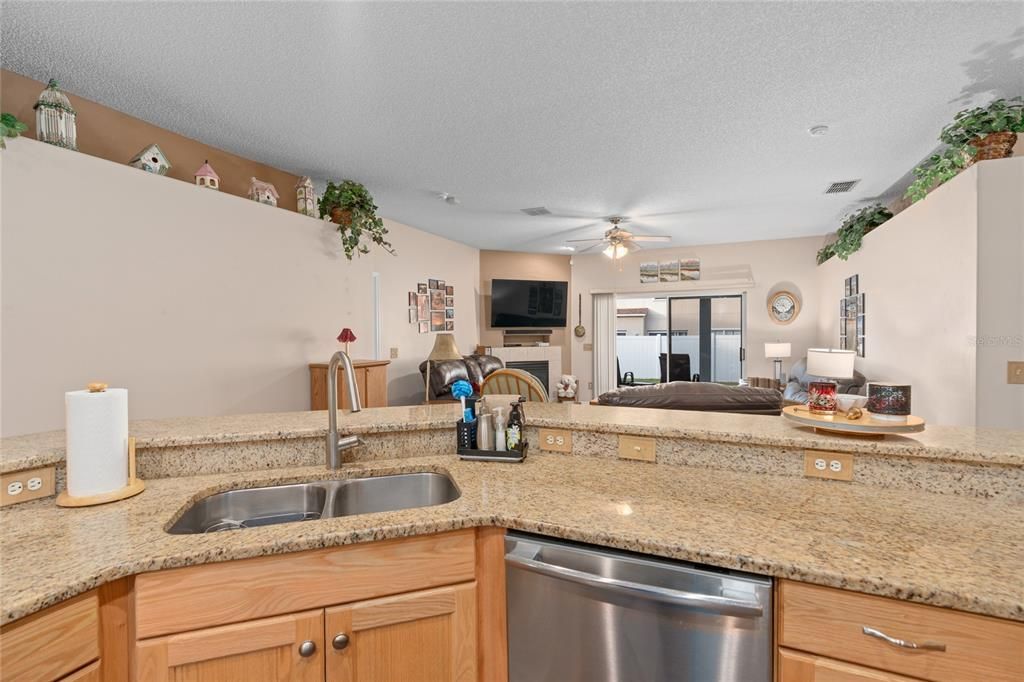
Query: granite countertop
x,y
993,446
951,551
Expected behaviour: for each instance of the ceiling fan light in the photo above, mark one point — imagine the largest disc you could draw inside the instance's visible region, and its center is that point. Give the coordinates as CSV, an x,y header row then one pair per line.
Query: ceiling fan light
x,y
616,251
610,251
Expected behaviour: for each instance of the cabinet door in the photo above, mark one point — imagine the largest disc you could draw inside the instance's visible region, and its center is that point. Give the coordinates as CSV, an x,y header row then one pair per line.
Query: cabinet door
x,y
286,647
428,636
796,666
90,673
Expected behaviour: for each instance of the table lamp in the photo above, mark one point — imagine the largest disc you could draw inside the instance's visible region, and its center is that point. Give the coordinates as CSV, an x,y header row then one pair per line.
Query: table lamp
x,y
444,349
776,351
829,364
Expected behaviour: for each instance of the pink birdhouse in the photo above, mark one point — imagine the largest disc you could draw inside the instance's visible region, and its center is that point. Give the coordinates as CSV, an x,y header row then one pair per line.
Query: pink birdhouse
x,y
346,337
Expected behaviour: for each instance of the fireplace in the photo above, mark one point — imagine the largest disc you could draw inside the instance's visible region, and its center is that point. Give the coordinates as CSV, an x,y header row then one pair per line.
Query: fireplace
x,y
538,369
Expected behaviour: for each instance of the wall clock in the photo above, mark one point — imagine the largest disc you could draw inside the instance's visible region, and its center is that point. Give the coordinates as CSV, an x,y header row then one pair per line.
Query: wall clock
x,y
783,307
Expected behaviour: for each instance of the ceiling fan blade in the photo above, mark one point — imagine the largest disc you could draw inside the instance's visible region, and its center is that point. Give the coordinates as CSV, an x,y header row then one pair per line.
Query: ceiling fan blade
x,y
556,236
593,239
589,248
651,238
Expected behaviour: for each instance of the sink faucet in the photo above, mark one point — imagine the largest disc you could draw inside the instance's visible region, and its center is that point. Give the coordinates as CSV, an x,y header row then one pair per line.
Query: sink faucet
x,y
336,444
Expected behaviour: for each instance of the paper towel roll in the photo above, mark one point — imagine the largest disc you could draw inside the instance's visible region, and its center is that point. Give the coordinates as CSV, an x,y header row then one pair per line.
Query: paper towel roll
x,y
96,432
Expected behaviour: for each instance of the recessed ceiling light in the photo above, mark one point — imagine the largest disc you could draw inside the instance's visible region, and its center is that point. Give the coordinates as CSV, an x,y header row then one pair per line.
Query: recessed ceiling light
x,y
818,131
448,198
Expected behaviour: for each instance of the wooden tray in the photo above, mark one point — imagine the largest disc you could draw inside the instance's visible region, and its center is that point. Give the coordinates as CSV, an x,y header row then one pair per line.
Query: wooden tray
x,y
838,423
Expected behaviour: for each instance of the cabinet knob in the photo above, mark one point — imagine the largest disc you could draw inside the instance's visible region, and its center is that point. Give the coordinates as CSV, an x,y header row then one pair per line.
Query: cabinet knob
x,y
307,648
340,641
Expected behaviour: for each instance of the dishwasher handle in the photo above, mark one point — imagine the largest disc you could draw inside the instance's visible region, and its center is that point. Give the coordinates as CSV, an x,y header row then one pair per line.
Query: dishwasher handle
x,y
725,606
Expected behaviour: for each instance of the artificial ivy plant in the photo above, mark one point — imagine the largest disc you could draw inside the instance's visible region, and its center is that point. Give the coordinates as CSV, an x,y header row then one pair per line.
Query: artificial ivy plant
x,y
969,127
10,126
351,207
851,233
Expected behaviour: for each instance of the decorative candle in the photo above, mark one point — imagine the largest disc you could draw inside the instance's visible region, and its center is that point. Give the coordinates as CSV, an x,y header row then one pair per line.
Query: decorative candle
x,y
822,397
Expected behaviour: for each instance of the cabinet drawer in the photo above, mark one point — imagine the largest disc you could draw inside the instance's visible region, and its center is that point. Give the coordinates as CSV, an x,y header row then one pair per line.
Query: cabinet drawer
x,y
181,599
831,622
52,643
796,666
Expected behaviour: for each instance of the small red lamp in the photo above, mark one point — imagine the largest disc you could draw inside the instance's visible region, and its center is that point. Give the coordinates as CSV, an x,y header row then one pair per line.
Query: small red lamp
x,y
346,337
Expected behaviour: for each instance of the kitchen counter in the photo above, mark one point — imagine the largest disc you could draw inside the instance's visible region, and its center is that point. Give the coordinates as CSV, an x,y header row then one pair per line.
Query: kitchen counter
x,y
968,444
945,550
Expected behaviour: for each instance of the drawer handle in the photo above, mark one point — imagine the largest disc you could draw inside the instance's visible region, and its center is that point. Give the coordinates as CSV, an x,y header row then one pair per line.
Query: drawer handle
x,y
903,644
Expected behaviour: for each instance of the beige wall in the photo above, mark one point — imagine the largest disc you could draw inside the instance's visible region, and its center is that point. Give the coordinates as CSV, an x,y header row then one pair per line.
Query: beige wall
x,y
945,298
787,264
199,302
538,266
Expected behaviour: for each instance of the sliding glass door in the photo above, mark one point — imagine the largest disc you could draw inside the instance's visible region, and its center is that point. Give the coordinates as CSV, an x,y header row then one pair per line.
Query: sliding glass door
x,y
705,339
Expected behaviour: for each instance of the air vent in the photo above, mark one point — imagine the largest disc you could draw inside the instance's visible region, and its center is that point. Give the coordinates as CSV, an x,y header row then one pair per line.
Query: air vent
x,y
539,210
840,187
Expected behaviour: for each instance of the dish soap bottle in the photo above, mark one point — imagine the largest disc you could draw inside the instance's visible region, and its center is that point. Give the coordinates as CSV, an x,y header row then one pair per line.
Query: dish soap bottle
x,y
514,431
500,442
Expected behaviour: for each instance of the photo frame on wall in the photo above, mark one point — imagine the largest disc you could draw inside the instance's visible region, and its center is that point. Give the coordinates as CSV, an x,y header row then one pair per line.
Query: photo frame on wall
x,y
449,325
422,308
437,320
413,315
449,290
449,313
689,269
668,271
424,327
648,273
436,299
449,301
431,283
412,298
421,288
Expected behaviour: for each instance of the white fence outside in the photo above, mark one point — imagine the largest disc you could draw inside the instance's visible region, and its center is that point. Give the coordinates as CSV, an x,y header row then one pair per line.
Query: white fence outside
x,y
641,355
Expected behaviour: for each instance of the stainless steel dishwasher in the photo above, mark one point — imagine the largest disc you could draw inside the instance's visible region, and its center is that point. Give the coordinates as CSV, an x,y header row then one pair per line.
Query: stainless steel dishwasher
x,y
577,613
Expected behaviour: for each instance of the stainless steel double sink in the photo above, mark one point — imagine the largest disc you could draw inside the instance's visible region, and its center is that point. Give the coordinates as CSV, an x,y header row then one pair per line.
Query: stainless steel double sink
x,y
311,500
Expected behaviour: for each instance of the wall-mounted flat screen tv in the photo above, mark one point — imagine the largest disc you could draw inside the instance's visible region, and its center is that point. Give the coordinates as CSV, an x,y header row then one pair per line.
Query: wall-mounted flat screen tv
x,y
528,303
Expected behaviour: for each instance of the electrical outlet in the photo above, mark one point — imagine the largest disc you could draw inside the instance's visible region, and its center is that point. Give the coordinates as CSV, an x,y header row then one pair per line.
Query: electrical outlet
x,y
1015,372
636,447
556,440
394,353
22,486
835,466
588,347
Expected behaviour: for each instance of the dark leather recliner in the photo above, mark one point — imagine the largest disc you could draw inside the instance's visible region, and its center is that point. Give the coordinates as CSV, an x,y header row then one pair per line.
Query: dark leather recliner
x,y
471,368
799,379
697,396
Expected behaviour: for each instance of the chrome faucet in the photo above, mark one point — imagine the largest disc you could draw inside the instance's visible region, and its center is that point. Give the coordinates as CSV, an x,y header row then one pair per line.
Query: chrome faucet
x,y
337,444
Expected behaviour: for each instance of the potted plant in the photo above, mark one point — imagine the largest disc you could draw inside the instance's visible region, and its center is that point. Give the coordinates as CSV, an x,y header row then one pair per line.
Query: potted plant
x,y
851,233
987,132
351,208
11,127
975,134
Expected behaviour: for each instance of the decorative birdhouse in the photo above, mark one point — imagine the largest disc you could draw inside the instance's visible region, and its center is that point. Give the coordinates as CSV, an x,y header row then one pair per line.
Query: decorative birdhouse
x,y
305,197
152,160
55,118
207,177
263,192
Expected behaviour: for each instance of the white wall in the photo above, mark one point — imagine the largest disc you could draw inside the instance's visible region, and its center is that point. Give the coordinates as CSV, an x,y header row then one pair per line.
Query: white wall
x,y
773,265
944,298
200,303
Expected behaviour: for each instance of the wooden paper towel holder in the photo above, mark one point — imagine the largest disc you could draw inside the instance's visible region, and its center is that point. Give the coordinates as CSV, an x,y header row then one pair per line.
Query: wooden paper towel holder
x,y
134,487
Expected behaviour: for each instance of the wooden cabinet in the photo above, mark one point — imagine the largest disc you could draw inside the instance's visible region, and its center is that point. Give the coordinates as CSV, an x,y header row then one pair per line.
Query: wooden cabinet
x,y
53,643
796,666
428,635
289,647
847,626
90,673
371,381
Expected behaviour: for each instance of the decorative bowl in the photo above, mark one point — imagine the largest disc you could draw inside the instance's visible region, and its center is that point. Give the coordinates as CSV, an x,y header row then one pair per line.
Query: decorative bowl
x,y
846,401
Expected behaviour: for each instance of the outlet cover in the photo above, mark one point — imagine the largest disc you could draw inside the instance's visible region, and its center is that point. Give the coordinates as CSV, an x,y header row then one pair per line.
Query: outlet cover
x,y
838,465
588,347
46,475
555,440
394,353
1015,372
636,447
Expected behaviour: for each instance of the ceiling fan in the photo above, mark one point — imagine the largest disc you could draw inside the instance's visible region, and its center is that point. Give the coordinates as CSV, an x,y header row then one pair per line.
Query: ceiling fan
x,y
619,241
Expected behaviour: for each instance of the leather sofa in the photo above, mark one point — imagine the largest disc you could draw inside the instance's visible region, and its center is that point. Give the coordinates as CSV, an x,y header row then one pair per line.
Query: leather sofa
x,y
471,368
796,389
697,396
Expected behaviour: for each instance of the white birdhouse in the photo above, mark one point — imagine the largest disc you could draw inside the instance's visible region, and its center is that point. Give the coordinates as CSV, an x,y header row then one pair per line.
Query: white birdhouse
x,y
263,192
152,160
55,118
305,197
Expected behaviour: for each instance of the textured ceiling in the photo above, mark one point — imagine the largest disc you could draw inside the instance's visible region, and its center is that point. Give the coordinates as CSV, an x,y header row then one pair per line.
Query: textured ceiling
x,y
694,115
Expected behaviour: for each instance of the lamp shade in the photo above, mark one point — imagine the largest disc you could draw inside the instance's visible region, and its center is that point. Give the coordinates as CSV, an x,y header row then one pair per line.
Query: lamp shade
x,y
444,349
832,364
777,350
